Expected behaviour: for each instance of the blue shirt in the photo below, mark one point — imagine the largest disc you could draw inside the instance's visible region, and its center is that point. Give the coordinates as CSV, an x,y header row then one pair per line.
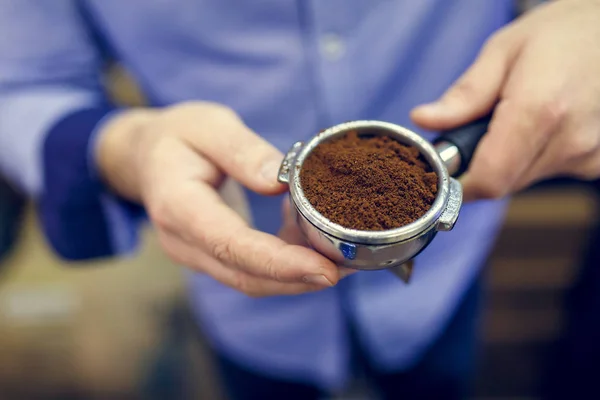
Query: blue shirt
x,y
289,68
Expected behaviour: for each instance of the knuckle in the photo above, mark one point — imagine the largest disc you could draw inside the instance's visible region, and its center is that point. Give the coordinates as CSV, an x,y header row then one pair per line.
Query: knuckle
x,y
153,153
166,212
219,110
167,246
243,284
494,41
181,110
492,180
498,42
585,172
463,91
177,256
248,156
501,36
160,212
271,268
581,144
157,155
586,168
194,109
547,114
222,249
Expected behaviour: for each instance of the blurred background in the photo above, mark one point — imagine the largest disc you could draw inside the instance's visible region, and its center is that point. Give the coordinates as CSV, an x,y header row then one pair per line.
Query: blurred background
x,y
121,329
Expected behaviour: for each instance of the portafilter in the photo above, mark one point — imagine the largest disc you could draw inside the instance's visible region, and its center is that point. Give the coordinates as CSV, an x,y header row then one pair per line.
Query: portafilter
x,y
449,156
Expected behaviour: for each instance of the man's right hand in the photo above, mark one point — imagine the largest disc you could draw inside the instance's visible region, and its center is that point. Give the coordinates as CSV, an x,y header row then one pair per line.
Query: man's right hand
x,y
171,160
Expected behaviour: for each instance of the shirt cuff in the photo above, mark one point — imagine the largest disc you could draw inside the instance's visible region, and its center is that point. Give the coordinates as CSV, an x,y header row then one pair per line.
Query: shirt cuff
x,y
79,215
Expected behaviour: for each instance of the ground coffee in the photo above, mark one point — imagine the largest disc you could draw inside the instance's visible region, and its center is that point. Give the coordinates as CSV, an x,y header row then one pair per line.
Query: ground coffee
x,y
369,183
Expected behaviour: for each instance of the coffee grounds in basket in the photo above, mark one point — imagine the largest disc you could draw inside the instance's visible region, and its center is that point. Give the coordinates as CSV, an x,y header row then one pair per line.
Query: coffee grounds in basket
x,y
370,183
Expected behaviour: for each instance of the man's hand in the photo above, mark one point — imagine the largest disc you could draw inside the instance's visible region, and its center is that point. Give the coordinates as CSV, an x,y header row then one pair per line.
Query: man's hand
x,y
172,160
543,71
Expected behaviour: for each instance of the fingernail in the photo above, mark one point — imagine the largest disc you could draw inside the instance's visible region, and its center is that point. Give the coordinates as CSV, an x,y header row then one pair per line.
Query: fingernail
x,y
320,280
270,169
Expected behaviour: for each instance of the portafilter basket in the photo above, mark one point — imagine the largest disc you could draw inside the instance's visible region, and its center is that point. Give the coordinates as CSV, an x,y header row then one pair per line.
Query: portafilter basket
x,y
394,249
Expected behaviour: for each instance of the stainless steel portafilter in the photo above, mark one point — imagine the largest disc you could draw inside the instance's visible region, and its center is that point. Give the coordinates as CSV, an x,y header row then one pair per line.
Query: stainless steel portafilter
x,y
394,249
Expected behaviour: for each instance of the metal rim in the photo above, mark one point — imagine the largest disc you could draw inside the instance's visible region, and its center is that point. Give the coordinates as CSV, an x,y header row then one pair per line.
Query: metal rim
x,y
371,237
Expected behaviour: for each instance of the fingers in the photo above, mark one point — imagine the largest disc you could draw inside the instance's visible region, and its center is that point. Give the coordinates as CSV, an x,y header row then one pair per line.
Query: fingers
x,y
181,200
524,124
199,216
513,143
221,136
574,152
186,254
476,91
290,231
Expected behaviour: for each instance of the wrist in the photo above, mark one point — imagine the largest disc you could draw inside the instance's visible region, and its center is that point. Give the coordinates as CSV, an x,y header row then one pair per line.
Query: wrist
x,y
117,150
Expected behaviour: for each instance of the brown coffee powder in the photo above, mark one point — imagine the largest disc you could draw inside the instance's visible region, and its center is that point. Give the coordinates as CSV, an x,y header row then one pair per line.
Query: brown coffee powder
x,y
368,183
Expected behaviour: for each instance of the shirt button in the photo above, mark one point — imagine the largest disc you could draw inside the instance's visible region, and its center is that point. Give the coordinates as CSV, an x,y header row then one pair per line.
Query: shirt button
x,y
332,47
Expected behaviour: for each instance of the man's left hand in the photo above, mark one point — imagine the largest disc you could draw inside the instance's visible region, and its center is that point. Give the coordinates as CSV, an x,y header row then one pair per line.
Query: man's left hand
x,y
542,72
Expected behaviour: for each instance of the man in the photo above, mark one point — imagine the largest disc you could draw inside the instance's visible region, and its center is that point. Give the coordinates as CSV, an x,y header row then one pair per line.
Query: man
x,y
235,83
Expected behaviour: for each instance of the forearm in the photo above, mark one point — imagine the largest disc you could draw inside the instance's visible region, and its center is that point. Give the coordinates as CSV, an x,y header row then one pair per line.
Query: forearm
x,y
46,149
51,107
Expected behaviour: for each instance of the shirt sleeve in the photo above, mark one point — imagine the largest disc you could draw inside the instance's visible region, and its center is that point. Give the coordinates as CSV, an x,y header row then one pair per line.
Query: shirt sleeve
x,y
51,107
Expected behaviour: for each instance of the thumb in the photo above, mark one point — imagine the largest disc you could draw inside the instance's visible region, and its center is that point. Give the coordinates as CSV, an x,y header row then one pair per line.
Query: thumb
x,y
474,93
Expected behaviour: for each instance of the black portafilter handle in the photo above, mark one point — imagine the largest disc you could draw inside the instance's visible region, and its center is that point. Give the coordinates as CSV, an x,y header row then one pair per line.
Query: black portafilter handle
x,y
457,146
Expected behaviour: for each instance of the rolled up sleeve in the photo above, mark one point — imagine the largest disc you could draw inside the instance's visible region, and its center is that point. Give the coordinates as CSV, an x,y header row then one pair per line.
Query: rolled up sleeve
x,y
51,108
